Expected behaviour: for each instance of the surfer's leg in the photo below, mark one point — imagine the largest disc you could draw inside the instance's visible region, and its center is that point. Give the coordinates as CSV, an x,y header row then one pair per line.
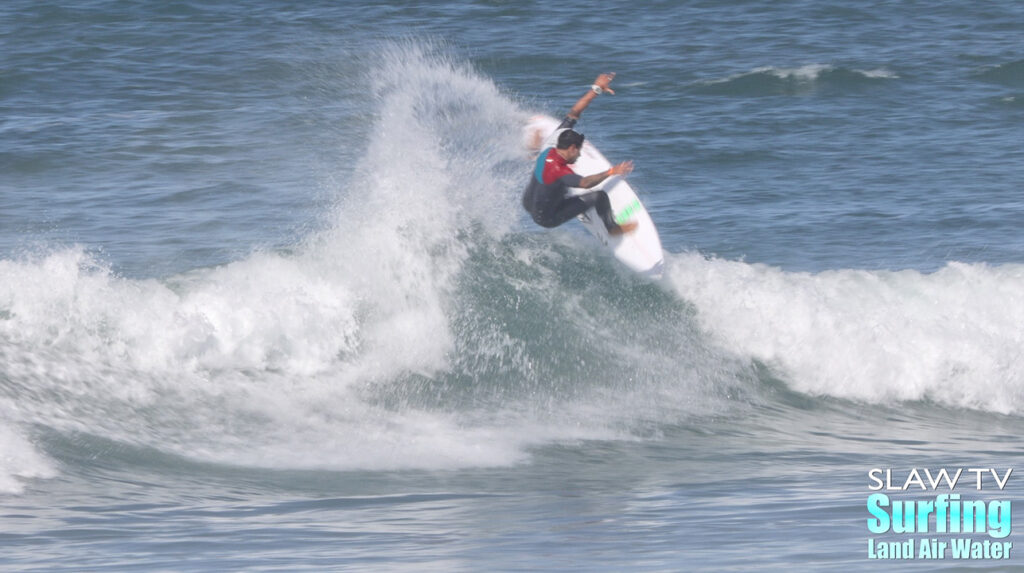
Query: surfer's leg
x,y
604,209
599,200
576,205
570,208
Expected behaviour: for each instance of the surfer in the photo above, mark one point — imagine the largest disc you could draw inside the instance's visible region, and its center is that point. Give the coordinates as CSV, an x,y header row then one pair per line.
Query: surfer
x,y
547,197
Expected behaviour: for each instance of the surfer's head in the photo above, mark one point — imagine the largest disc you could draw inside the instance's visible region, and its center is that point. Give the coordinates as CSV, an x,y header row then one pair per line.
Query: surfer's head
x,y
569,144
568,138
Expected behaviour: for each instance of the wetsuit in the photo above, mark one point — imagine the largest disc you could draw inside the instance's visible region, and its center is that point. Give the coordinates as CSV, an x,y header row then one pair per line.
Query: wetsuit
x,y
547,197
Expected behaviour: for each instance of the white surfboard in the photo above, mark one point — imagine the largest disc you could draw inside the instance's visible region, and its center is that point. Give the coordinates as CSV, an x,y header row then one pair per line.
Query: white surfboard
x,y
639,250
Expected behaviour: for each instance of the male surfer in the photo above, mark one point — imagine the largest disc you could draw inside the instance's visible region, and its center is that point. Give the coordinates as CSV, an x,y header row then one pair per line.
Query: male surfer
x,y
547,198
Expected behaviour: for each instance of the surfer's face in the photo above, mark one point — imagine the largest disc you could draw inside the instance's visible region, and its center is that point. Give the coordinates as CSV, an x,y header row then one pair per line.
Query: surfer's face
x,y
573,154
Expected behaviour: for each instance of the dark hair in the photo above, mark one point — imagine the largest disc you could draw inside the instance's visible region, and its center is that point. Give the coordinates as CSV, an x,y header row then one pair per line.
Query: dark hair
x,y
570,137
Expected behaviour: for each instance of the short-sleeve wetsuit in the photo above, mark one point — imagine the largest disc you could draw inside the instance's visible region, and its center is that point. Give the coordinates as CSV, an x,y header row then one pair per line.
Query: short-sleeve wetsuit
x,y
547,197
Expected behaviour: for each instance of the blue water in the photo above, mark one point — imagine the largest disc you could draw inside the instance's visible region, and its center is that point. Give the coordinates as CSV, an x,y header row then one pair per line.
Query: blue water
x,y
268,300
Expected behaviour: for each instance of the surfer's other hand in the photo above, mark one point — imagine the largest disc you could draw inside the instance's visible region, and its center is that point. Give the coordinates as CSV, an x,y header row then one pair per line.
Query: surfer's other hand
x,y
624,168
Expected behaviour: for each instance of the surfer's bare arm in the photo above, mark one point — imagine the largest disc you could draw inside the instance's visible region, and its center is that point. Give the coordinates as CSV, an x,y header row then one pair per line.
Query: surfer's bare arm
x,y
600,86
624,168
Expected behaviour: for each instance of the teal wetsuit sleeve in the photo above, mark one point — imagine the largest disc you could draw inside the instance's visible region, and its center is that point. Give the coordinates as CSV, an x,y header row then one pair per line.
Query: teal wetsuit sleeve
x,y
538,170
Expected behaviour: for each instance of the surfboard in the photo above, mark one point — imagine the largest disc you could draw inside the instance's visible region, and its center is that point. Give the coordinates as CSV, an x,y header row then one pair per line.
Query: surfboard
x,y
639,250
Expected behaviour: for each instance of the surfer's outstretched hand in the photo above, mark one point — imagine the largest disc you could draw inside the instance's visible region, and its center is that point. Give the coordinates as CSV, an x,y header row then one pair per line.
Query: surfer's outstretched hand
x,y
600,86
602,82
622,169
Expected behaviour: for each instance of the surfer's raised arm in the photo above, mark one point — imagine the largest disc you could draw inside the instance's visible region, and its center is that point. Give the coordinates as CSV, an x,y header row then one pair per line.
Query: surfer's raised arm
x,y
599,87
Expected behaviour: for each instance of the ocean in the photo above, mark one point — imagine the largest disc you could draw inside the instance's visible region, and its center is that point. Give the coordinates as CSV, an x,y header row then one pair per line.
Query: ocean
x,y
269,301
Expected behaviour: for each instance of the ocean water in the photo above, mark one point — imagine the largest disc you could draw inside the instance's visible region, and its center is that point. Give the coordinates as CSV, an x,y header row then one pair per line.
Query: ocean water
x,y
268,301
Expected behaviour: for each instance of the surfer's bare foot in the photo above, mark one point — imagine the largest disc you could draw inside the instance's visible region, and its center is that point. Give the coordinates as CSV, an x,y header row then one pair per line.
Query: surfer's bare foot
x,y
627,227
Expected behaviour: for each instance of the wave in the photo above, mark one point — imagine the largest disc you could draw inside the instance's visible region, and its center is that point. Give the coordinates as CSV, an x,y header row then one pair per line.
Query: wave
x,y
417,330
951,337
803,80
